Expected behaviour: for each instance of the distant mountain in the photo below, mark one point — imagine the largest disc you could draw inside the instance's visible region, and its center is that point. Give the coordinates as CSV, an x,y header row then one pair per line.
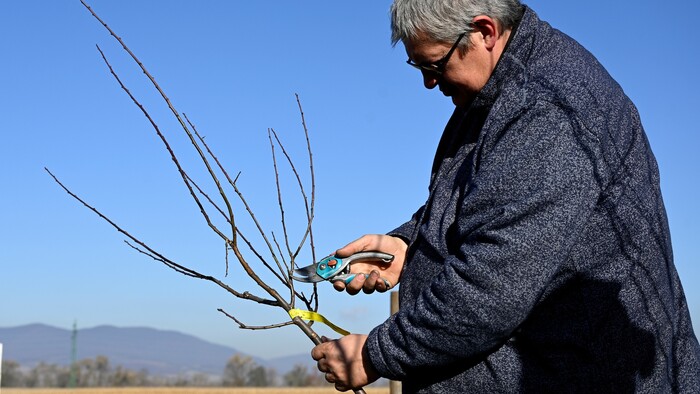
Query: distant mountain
x,y
160,352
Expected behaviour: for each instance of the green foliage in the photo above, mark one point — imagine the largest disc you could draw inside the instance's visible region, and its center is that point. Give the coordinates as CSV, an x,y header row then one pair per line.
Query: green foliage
x,y
236,371
242,371
300,376
258,377
90,373
12,375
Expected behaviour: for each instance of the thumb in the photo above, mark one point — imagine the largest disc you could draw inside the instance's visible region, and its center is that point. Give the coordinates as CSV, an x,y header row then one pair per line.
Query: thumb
x,y
364,243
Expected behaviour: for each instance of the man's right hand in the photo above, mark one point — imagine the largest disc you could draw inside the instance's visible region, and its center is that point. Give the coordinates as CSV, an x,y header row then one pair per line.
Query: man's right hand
x,y
381,276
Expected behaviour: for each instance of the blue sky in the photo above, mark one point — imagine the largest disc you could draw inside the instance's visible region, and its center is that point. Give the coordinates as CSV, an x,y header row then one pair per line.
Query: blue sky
x,y
234,68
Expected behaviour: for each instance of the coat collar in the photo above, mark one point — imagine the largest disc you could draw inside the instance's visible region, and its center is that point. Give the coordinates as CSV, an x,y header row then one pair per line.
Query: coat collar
x,y
511,65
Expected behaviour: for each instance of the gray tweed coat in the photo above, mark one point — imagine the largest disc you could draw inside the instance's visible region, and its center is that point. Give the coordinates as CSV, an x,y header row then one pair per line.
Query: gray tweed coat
x,y
542,260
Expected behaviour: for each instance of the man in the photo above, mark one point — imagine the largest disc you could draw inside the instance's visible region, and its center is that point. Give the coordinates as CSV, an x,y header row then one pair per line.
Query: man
x,y
541,261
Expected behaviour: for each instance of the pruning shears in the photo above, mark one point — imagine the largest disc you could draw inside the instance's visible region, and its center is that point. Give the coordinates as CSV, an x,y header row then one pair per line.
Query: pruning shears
x,y
333,268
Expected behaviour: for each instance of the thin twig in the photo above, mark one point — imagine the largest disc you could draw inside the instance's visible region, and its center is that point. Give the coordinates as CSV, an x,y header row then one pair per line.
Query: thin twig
x,y
174,158
280,202
309,212
310,207
147,250
182,124
247,327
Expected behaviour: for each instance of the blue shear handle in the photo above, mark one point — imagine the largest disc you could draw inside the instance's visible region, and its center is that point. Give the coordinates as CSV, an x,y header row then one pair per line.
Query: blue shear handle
x,y
329,266
347,278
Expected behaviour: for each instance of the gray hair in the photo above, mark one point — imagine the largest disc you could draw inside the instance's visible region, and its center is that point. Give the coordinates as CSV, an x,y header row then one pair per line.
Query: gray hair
x,y
445,20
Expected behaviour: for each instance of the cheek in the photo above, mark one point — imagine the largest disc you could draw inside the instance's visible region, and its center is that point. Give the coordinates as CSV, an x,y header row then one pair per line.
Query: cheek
x,y
452,81
458,85
471,85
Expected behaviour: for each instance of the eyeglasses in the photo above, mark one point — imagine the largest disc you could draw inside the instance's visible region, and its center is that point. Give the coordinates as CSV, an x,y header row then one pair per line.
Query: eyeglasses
x,y
437,67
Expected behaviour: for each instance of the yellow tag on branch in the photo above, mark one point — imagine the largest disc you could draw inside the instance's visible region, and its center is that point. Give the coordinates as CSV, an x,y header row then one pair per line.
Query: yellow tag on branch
x,y
309,315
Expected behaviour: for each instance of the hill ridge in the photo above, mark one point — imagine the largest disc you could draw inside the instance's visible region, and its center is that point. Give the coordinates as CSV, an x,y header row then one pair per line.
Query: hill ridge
x,y
161,352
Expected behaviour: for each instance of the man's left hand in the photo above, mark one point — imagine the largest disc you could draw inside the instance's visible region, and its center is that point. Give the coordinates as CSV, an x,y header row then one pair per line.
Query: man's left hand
x,y
344,362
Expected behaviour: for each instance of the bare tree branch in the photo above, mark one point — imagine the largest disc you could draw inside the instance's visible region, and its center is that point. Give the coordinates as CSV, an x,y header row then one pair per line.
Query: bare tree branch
x,y
309,209
248,209
248,327
219,201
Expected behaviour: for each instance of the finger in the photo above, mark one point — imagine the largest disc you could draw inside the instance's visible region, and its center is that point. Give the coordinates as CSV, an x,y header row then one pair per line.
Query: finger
x,y
318,352
339,285
356,284
330,378
370,283
382,285
322,366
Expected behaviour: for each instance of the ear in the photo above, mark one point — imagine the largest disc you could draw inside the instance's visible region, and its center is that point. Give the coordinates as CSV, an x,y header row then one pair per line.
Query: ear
x,y
488,29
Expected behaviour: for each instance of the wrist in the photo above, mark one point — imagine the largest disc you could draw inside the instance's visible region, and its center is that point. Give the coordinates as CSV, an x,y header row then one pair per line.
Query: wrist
x,y
370,371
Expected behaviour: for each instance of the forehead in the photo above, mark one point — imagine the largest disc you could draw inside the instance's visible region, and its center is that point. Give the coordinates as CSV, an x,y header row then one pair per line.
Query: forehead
x,y
422,49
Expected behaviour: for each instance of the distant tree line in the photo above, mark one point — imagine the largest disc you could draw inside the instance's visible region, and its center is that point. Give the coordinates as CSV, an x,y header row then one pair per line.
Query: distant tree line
x,y
240,371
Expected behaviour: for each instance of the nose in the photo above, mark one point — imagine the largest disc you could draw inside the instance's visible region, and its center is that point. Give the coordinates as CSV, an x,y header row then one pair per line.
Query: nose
x,y
430,80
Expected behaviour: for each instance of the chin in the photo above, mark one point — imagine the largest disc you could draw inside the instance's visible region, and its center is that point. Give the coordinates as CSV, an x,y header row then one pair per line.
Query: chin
x,y
463,100
459,101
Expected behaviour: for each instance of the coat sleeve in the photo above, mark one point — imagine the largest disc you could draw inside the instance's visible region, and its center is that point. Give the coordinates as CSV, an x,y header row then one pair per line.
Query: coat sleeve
x,y
532,188
406,230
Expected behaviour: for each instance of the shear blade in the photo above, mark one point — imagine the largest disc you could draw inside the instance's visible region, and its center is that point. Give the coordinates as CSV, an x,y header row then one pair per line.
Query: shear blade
x,y
307,274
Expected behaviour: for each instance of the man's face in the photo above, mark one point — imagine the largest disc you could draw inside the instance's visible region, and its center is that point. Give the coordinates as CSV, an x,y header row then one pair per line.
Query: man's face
x,y
464,75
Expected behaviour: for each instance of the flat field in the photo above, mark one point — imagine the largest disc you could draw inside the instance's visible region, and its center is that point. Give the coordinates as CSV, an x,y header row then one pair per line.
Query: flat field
x,y
191,390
